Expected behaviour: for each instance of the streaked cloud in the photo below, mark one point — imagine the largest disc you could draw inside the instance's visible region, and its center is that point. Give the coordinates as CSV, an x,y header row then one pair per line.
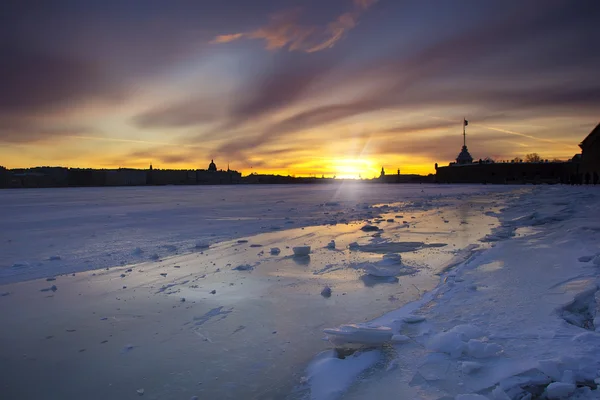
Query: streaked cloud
x,y
286,31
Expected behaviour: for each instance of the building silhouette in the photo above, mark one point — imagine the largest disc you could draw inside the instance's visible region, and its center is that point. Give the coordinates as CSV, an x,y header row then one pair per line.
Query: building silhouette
x,y
582,168
39,177
590,157
212,167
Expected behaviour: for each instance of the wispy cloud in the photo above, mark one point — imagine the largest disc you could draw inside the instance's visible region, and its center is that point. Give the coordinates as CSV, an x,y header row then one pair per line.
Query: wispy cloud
x,y
285,30
227,38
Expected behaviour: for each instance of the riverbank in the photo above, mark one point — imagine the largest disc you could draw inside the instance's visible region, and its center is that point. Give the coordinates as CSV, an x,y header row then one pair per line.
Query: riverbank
x,y
517,320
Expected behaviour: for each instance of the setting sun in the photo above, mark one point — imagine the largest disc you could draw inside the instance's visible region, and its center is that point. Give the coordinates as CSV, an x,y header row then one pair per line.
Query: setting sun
x,y
353,168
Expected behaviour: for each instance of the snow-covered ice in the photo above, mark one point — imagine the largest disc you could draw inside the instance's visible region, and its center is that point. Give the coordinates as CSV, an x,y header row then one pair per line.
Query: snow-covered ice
x,y
494,292
528,330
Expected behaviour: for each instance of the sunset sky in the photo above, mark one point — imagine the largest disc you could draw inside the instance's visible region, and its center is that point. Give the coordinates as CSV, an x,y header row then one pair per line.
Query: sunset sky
x,y
301,87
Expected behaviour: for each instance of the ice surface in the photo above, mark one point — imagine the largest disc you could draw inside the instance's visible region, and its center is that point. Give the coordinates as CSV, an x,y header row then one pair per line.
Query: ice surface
x,y
201,339
102,227
470,396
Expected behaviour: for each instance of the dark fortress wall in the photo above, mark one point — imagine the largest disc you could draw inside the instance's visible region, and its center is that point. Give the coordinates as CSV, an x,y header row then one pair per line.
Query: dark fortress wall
x,y
590,154
507,173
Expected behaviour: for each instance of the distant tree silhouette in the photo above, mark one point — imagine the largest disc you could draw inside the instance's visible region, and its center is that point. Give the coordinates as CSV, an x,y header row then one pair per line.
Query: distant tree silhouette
x,y
532,158
517,160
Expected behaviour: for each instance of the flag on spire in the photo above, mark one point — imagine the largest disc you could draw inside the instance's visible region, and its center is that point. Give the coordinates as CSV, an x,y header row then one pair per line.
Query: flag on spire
x,y
465,123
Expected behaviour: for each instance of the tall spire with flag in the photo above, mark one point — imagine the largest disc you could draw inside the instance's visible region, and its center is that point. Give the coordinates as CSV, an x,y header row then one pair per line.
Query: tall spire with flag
x,y
464,157
465,123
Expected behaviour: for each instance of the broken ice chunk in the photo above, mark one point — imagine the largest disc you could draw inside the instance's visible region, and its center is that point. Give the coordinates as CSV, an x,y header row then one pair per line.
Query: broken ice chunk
x,y
326,292
359,334
478,349
560,390
413,319
275,251
369,228
470,366
301,251
400,339
244,267
52,288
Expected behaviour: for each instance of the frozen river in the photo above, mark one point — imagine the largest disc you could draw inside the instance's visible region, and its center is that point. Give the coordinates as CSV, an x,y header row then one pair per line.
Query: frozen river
x,y
148,309
48,231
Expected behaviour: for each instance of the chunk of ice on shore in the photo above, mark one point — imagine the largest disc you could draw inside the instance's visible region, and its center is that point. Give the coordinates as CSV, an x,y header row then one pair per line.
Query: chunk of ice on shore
x,y
369,228
244,267
52,288
469,367
391,259
478,349
447,342
329,376
400,339
301,251
326,292
359,334
275,250
331,245
413,319
560,390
